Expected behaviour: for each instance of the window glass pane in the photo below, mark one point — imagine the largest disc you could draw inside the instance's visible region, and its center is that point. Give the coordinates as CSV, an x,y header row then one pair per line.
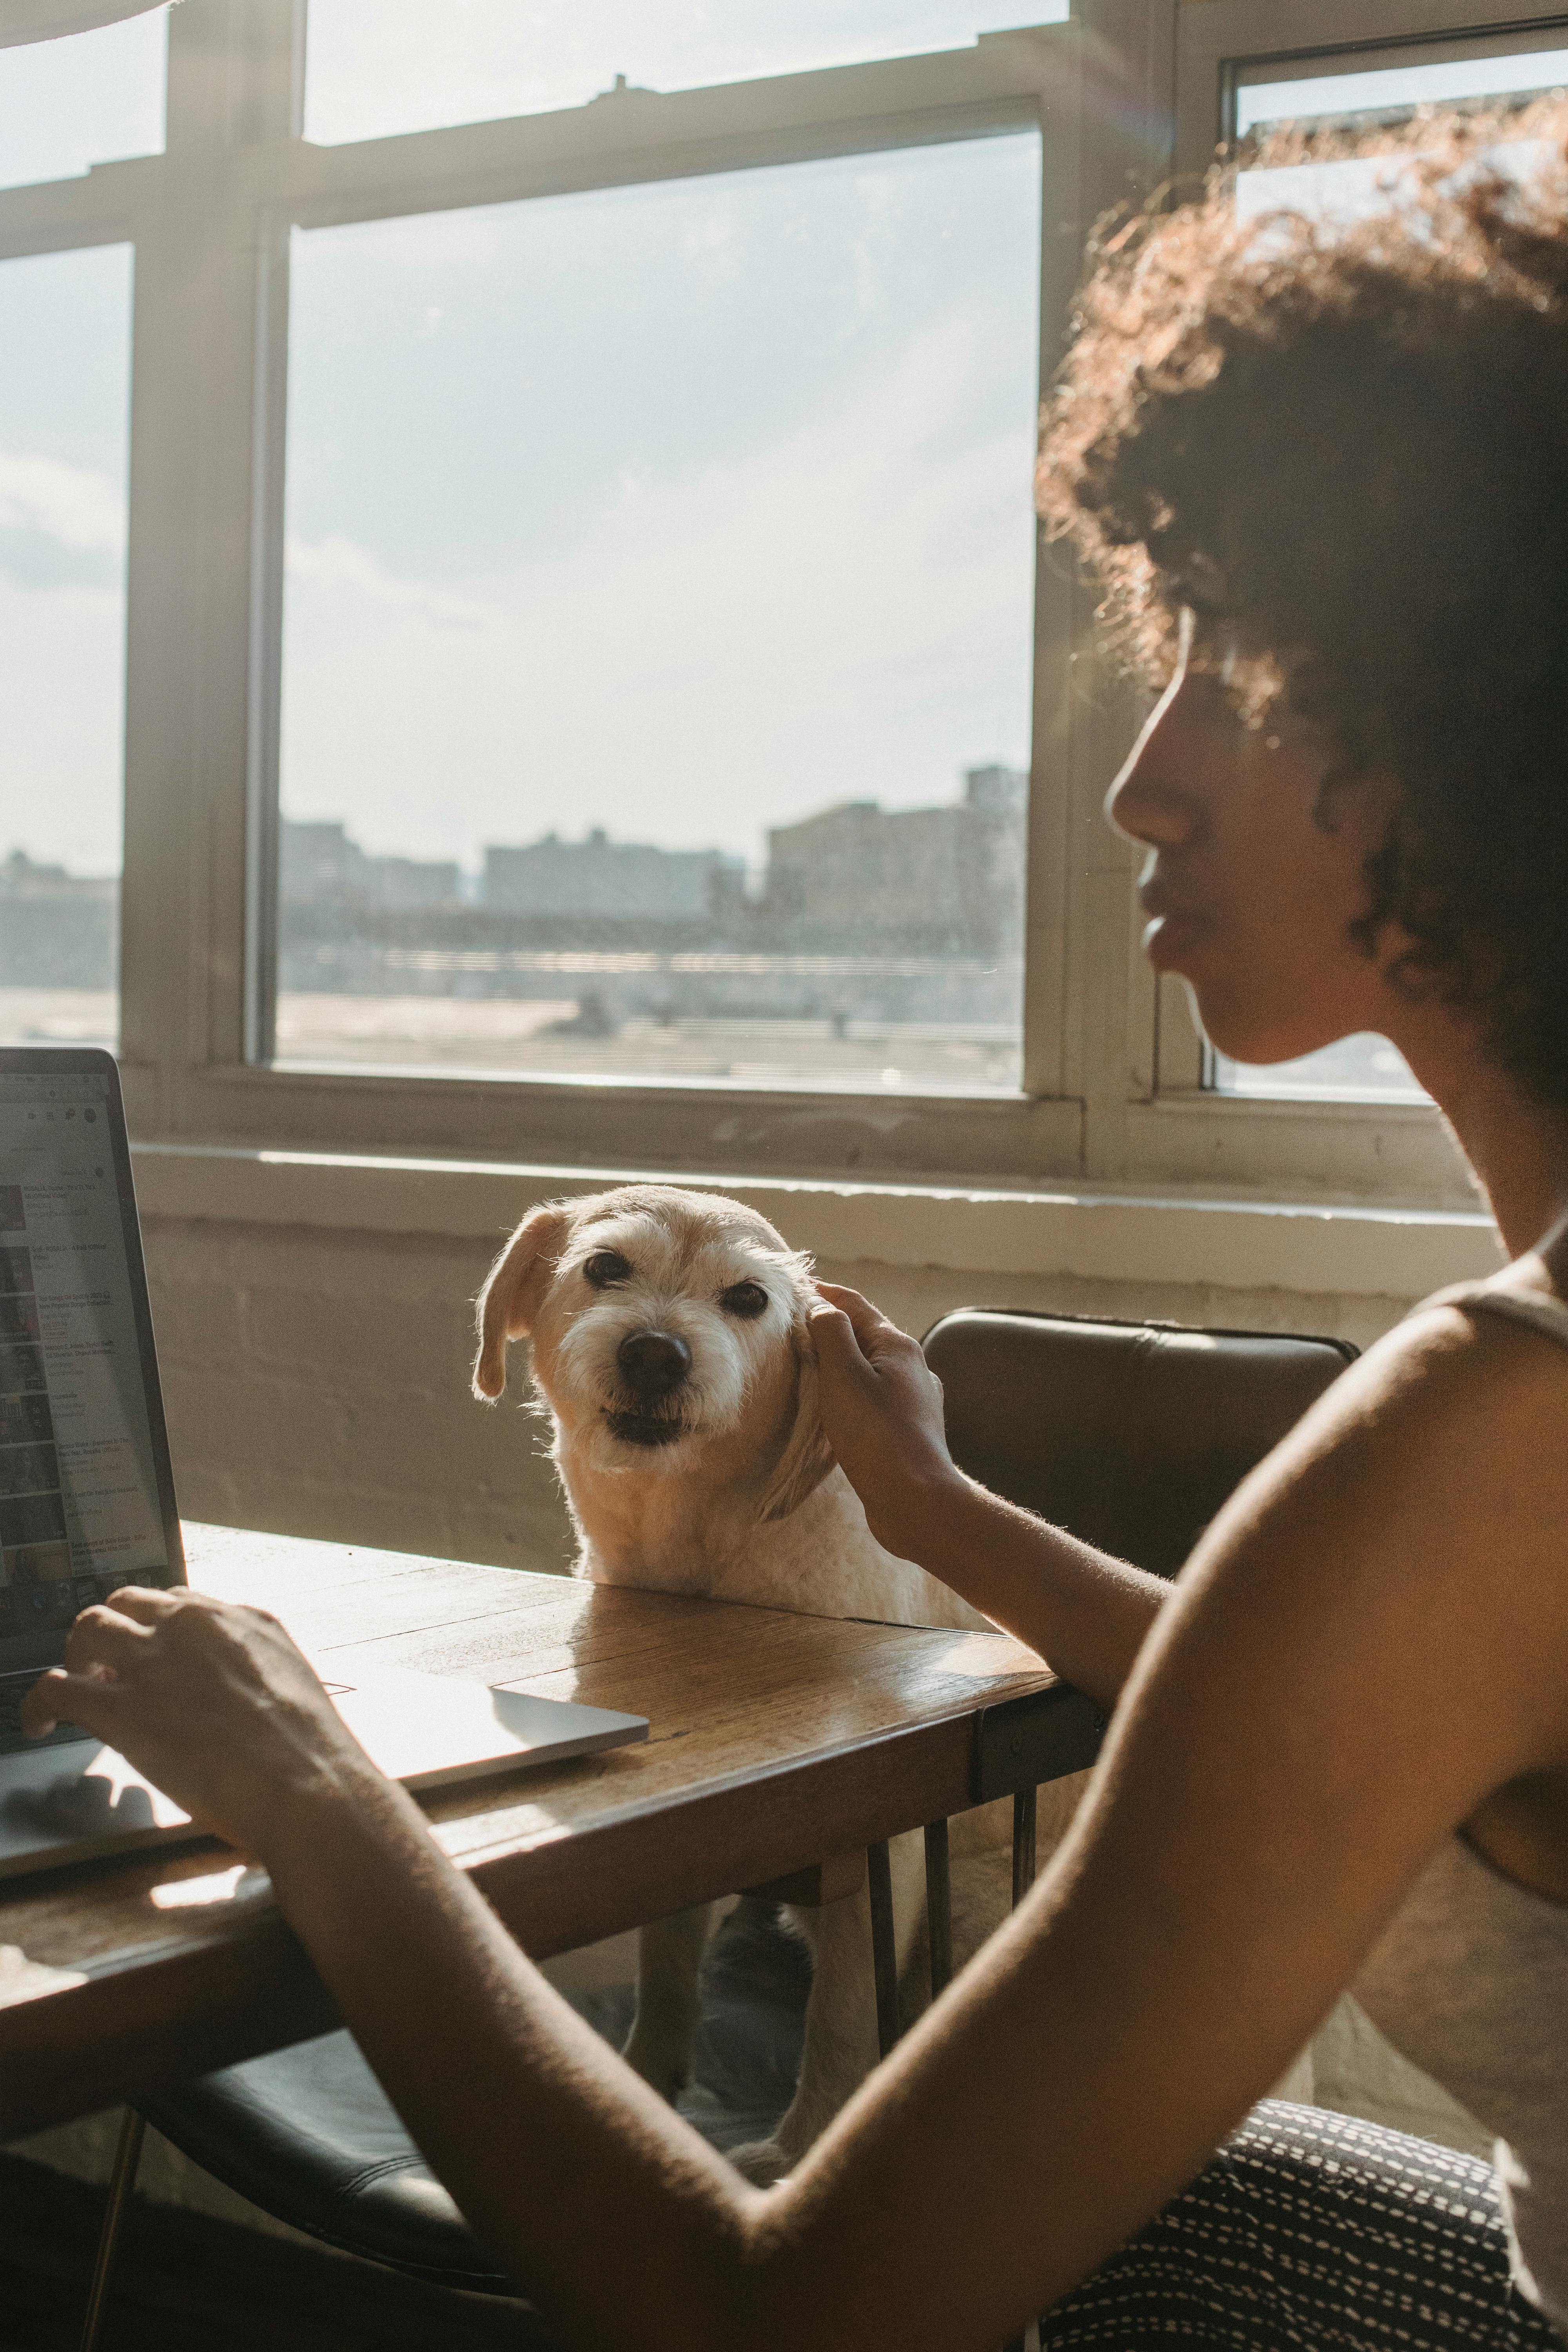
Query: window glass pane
x,y
1357,1069
92,97
1397,88
375,67
65,328
657,627
1367,1067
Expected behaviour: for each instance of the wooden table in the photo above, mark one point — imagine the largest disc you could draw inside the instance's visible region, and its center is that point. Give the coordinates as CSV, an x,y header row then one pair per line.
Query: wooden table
x,y
776,1742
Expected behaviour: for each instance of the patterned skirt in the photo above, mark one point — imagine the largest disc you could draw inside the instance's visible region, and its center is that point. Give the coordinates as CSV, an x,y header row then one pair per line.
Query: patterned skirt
x,y
1311,2229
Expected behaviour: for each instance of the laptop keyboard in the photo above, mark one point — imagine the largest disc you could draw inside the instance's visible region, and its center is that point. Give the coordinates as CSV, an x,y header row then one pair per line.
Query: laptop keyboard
x,y
14,1689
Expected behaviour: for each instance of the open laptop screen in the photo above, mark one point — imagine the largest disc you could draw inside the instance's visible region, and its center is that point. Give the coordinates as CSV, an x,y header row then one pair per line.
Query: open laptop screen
x,y
85,1499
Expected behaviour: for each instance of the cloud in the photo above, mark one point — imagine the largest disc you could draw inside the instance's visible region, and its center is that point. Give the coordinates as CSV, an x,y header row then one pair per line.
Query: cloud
x,y
842,613
337,563
70,504
62,703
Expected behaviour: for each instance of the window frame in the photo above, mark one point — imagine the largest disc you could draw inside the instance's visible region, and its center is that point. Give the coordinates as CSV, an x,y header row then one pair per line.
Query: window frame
x,y
1005,83
1112,1084
209,221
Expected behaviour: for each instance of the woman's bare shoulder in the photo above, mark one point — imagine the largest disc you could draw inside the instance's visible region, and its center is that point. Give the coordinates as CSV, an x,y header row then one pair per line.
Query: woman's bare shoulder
x,y
1420,1506
1452,1368
1383,1602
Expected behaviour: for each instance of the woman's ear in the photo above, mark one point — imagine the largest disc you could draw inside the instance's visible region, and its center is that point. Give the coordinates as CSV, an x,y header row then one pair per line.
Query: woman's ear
x,y
808,1457
513,1292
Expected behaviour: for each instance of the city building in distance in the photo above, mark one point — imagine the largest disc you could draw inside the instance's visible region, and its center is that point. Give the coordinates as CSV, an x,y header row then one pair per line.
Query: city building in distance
x,y
860,915
318,861
597,876
57,930
951,875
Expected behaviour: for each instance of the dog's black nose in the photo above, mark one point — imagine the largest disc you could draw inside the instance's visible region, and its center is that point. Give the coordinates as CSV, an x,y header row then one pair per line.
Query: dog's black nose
x,y
653,1362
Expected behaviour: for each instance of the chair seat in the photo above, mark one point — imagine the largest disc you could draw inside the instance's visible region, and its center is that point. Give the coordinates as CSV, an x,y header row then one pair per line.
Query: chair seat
x,y
309,2135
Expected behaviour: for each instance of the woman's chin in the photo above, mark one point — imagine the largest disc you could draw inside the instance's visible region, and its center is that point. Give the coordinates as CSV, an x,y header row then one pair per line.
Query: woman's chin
x,y
1259,1048
1236,1031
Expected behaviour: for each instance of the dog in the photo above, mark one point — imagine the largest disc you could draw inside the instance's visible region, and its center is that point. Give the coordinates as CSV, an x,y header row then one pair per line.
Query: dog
x,y
670,1350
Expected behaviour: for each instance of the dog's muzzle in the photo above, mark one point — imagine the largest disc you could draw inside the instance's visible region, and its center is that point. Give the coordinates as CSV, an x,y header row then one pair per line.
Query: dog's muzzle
x,y
653,1365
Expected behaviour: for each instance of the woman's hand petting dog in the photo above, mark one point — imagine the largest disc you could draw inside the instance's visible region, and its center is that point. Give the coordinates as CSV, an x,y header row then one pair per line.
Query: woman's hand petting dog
x,y
882,1414
212,1701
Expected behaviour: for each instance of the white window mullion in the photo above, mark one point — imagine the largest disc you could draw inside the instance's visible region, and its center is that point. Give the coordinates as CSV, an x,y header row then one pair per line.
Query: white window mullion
x,y
188,665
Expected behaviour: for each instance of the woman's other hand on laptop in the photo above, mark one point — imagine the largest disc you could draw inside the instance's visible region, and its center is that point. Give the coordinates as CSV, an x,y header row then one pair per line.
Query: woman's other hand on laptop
x,y
211,1700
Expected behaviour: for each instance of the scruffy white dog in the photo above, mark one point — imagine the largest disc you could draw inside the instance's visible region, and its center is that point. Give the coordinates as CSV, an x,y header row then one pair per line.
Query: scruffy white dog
x,y
669,1332
669,1345
668,1336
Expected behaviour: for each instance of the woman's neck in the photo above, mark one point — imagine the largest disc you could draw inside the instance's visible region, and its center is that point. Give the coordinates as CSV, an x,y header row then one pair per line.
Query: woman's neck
x,y
1517,1145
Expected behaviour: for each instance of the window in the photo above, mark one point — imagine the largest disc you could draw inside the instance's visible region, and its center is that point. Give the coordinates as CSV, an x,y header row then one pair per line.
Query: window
x,y
1358,1069
65,327
643,641
584,636
657,664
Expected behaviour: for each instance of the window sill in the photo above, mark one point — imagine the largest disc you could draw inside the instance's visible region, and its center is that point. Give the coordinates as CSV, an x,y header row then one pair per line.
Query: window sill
x,y
1233,1244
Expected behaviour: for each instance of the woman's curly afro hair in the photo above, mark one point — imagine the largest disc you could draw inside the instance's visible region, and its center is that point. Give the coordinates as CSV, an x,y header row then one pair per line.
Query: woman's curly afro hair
x,y
1346,449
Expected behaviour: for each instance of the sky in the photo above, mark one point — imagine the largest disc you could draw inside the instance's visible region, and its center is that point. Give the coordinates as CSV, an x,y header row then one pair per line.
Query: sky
x,y
681,510
64,430
375,67
1259,103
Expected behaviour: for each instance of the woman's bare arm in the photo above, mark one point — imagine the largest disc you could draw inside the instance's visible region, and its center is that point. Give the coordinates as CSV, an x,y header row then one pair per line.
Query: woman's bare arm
x,y
1083,1612
1369,1640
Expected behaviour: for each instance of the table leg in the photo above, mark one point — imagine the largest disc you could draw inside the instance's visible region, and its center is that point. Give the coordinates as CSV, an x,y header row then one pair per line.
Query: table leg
x,y
122,2180
1023,1843
884,1948
938,1907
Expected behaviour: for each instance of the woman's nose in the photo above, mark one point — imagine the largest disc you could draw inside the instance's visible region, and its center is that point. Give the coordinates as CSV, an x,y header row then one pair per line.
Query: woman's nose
x,y
1150,800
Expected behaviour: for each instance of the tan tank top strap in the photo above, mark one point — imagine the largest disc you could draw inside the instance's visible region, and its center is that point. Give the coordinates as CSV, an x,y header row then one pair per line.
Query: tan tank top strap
x,y
1535,1309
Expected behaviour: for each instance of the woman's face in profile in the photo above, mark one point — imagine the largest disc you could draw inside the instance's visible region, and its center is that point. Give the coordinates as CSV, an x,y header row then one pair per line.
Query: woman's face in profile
x,y
1249,890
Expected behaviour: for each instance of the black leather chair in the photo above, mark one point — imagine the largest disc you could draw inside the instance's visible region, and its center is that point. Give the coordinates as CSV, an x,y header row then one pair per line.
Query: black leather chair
x,y
1131,1434
309,2135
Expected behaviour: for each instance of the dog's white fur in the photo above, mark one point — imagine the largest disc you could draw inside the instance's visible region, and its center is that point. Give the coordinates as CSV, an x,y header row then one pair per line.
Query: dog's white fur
x,y
746,1503
741,1501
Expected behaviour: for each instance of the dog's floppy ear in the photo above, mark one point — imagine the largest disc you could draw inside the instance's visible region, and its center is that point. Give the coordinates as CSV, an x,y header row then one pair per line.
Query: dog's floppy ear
x,y
808,1458
515,1287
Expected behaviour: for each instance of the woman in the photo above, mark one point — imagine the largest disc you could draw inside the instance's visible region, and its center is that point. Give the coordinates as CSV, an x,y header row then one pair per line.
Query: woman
x,y
1328,489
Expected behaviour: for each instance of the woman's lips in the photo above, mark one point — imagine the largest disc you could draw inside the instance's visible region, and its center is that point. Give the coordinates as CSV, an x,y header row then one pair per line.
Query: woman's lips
x,y
1170,937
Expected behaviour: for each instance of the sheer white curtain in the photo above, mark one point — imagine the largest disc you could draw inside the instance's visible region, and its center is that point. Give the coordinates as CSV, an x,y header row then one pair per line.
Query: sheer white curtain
x,y
46,20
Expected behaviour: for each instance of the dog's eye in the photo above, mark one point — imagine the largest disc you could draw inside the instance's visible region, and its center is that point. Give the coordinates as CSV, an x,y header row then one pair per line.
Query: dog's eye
x,y
746,1299
606,1266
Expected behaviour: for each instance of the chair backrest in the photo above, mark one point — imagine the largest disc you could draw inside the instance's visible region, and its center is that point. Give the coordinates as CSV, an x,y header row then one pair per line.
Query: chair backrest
x,y
1129,1435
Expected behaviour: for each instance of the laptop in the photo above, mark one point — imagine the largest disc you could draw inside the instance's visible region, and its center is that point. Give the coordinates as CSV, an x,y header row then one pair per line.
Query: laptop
x,y
87,1494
